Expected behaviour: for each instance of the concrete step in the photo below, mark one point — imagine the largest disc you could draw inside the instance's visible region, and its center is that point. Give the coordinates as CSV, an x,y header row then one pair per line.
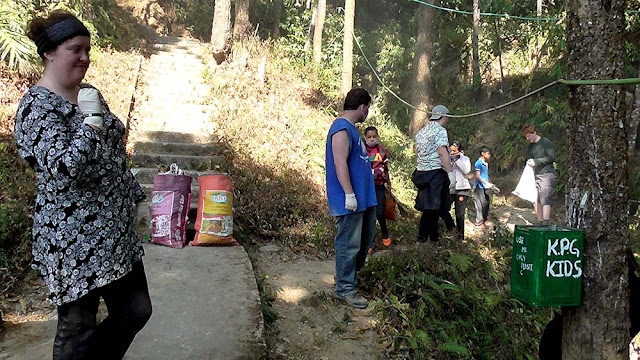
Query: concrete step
x,y
179,137
173,109
177,148
153,72
176,42
145,175
178,50
186,162
167,60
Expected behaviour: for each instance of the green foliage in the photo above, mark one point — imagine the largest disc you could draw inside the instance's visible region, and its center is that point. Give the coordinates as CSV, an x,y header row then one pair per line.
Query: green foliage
x,y
16,50
444,302
295,48
17,194
267,297
196,15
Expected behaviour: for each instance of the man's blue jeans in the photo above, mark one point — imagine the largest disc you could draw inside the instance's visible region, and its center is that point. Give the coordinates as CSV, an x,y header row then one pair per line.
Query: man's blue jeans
x,y
355,236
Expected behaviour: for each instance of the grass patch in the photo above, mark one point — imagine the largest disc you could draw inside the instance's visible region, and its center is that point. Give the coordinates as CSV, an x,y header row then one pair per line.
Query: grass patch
x,y
453,302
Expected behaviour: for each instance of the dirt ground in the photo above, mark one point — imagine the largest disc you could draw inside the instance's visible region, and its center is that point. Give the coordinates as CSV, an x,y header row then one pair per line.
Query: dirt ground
x,y
311,323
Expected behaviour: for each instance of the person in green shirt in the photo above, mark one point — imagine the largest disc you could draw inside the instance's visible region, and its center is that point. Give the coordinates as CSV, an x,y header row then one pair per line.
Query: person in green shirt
x,y
541,157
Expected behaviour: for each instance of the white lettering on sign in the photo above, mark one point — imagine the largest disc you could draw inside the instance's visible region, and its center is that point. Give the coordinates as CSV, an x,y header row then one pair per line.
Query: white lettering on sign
x,y
559,247
521,257
564,268
524,249
520,239
526,267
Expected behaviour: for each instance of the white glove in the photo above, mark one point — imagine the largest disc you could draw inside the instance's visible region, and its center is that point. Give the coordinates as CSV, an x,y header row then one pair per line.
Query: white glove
x,y
452,181
489,186
495,189
350,202
531,162
90,105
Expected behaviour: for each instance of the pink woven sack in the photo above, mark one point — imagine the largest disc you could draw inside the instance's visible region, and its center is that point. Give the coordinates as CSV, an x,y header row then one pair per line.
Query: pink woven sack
x,y
170,201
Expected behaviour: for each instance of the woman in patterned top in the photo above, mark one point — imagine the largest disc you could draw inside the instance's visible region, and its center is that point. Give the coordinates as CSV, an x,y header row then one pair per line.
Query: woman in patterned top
x,y
84,242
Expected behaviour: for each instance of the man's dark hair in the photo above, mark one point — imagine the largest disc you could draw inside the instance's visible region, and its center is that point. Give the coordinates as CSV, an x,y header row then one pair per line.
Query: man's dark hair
x,y
370,128
484,149
355,98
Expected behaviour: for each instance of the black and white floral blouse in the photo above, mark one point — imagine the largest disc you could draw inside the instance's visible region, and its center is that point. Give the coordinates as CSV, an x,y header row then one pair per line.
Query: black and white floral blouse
x,y
83,230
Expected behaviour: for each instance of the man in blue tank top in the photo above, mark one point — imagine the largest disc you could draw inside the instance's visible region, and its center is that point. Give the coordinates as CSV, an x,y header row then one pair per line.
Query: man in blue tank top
x,y
351,195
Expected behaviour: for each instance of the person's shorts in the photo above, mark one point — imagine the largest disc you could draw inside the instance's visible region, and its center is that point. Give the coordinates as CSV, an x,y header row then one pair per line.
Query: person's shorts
x,y
544,184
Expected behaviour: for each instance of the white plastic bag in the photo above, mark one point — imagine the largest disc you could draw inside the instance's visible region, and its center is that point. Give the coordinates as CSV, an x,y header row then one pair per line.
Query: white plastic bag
x,y
526,188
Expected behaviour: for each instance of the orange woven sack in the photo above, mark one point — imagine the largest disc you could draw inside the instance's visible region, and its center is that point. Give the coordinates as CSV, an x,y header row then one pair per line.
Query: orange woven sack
x,y
389,207
214,223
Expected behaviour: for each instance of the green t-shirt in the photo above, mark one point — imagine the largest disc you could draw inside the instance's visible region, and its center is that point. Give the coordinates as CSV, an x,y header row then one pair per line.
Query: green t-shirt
x,y
544,155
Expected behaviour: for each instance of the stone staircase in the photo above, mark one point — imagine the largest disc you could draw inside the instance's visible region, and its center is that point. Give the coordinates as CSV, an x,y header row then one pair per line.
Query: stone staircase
x,y
172,122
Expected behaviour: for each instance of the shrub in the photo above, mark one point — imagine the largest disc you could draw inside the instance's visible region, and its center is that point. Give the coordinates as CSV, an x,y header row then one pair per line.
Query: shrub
x,y
450,302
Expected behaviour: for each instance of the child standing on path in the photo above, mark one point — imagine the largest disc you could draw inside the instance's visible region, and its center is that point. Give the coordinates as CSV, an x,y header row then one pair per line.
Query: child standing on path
x,y
378,157
482,186
461,166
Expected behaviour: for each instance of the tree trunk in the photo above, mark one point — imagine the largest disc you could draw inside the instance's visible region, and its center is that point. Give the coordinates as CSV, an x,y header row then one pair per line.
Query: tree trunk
x,y
597,184
475,44
221,30
321,13
312,30
422,69
347,45
241,25
499,56
277,16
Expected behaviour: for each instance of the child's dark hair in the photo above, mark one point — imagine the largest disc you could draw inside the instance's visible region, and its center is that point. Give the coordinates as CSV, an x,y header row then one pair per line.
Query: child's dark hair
x,y
370,128
355,98
458,145
484,149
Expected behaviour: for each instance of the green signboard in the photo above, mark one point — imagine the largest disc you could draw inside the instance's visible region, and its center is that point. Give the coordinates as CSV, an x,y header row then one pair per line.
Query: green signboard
x,y
546,267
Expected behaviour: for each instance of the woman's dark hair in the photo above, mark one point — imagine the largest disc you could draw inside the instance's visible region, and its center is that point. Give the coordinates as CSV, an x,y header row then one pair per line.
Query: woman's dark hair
x,y
38,25
370,128
355,98
60,26
458,145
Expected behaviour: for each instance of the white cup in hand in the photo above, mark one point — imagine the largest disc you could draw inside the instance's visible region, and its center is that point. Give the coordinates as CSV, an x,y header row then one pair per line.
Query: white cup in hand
x,y
91,106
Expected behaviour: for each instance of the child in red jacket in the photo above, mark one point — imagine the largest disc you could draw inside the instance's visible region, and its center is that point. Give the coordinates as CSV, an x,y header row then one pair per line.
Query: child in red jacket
x,y
378,157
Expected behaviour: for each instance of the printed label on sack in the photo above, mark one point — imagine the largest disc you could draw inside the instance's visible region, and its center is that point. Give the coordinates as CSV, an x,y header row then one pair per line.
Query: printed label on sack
x,y
217,202
162,204
218,225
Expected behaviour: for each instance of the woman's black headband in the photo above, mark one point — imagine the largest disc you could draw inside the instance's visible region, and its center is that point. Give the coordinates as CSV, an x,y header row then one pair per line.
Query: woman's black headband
x,y
58,33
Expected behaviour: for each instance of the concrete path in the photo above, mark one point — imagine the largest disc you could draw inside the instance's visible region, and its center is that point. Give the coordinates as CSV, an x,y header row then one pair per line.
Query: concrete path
x,y
205,306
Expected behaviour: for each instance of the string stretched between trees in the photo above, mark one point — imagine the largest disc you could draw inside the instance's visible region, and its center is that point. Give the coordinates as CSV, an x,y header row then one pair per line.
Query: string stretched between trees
x,y
501,15
553,83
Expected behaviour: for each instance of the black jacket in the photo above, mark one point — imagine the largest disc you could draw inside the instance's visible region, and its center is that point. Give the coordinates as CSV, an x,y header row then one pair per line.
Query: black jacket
x,y
433,189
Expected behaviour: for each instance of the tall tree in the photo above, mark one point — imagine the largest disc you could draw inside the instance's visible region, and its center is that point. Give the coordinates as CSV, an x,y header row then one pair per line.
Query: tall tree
x,y
422,68
221,30
597,184
347,45
241,24
321,13
475,44
277,16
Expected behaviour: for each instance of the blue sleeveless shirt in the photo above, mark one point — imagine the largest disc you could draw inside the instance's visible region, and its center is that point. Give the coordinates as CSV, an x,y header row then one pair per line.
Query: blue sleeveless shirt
x,y
359,172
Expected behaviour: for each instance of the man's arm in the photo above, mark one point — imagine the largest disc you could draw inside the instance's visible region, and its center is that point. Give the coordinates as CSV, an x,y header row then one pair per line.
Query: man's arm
x,y
340,144
445,160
